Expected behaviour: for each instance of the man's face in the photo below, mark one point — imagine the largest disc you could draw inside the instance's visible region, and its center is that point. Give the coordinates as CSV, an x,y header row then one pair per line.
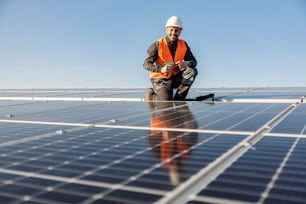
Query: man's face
x,y
173,33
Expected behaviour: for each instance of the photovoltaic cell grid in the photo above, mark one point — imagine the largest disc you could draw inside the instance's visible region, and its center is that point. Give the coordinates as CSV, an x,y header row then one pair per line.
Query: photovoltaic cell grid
x,y
273,172
78,151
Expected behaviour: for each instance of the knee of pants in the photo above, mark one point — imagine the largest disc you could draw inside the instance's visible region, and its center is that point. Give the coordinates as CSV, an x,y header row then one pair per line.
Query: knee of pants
x,y
163,94
188,76
162,89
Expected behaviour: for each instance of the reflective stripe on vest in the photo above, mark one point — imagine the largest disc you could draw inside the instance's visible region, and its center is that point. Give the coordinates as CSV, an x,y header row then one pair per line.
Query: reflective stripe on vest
x,y
165,57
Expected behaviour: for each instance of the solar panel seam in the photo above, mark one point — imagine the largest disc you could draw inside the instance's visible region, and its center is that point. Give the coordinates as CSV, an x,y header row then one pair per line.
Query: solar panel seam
x,y
273,134
100,99
36,137
127,127
141,99
26,139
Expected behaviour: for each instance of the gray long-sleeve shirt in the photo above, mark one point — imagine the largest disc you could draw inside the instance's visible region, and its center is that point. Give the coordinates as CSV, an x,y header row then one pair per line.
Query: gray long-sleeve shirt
x,y
152,55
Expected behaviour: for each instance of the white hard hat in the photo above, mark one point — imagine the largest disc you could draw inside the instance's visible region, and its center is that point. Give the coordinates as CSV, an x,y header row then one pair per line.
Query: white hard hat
x,y
174,21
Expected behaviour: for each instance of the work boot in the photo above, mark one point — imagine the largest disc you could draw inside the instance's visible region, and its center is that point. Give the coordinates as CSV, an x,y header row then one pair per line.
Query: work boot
x,y
149,95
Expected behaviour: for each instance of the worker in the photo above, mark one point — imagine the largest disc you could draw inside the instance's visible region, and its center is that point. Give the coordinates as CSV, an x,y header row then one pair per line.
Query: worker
x,y
171,65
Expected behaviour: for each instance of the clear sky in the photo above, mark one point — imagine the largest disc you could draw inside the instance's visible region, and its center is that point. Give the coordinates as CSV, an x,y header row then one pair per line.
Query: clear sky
x,y
103,43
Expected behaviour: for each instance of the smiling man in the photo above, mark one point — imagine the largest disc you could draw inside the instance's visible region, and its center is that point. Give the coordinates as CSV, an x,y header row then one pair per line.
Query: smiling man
x,y
171,65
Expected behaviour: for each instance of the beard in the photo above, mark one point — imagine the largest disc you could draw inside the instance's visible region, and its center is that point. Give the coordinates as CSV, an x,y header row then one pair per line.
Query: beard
x,y
173,38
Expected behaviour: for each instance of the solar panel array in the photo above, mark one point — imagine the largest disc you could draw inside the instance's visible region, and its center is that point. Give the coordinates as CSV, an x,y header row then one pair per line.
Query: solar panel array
x,y
93,146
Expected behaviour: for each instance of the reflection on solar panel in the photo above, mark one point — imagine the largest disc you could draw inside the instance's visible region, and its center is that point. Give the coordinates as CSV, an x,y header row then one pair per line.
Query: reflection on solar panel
x,y
93,146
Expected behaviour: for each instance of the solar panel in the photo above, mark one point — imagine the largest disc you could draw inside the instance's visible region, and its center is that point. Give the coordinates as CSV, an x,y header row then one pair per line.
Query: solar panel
x,y
109,146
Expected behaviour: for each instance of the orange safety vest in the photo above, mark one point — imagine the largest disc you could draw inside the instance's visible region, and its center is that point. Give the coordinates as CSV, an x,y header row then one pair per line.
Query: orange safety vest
x,y
165,57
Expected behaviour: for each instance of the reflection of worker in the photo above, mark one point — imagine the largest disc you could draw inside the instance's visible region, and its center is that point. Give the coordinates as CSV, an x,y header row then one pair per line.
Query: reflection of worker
x,y
171,64
172,147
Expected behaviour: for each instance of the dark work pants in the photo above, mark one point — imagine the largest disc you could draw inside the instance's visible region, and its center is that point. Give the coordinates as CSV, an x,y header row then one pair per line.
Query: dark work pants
x,y
163,88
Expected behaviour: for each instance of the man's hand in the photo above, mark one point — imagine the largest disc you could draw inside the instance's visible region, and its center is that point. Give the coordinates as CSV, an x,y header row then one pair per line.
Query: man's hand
x,y
182,64
166,69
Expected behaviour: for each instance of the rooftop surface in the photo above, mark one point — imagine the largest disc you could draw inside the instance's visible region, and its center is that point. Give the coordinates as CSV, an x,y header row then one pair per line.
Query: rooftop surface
x,y
92,146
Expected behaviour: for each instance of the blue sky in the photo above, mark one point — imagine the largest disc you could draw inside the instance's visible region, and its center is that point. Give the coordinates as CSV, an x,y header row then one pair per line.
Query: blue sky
x,y
103,43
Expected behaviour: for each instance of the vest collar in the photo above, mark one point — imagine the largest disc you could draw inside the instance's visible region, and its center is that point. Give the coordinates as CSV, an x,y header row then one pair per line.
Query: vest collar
x,y
171,42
